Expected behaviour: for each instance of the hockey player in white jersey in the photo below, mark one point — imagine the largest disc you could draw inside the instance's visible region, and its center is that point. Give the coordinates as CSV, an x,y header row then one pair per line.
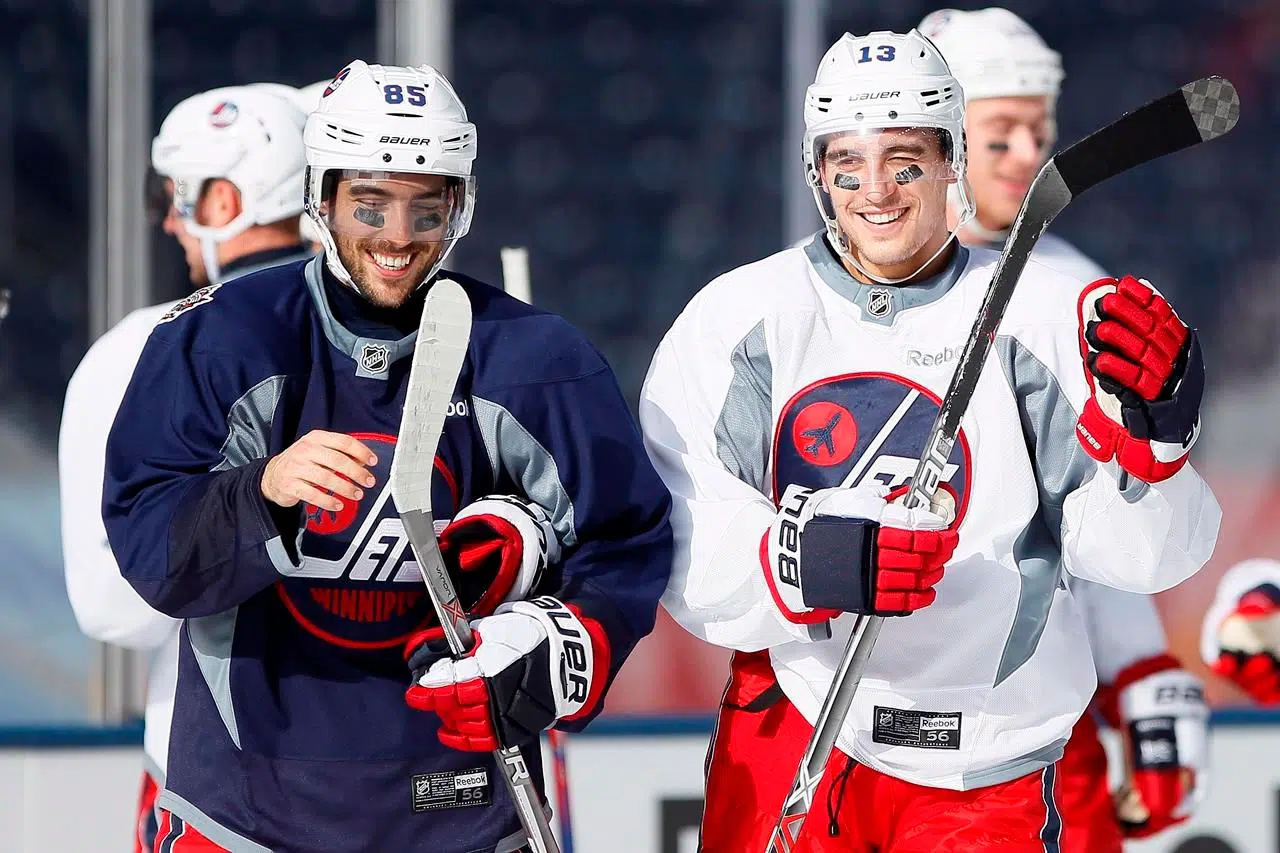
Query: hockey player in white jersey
x,y
1240,639
232,164
1011,80
785,410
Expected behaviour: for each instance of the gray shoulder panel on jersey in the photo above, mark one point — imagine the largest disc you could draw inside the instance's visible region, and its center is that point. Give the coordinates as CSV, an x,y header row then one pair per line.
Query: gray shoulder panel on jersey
x,y
881,303
744,430
513,449
248,437
1061,467
373,357
226,839
1021,766
211,638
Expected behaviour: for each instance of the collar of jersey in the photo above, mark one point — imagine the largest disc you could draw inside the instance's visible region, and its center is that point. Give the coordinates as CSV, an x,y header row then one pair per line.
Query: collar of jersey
x,y
900,297
339,335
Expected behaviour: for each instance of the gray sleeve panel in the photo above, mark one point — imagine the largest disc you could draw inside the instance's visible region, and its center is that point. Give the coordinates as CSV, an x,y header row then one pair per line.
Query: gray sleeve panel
x,y
211,638
249,423
744,430
248,438
1039,559
513,450
1049,426
1061,467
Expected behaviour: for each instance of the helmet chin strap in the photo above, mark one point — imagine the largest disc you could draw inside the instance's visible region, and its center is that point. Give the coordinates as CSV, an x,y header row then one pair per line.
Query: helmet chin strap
x,y
838,239
211,238
342,274
976,228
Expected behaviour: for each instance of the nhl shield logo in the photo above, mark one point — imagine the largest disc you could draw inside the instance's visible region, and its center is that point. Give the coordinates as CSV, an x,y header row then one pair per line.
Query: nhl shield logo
x,y
879,301
374,358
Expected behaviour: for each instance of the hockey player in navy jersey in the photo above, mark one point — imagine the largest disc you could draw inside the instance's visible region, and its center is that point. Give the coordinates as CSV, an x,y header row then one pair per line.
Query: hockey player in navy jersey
x,y
786,410
1011,80
246,493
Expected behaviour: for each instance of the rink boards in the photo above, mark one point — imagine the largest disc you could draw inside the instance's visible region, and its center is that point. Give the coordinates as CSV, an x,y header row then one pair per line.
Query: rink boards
x,y
636,787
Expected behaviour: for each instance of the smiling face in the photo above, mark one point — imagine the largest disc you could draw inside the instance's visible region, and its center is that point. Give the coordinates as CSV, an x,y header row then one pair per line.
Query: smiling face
x,y
888,190
1009,139
391,228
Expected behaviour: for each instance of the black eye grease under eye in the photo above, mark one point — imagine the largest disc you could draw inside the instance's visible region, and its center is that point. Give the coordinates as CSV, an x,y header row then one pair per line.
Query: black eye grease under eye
x,y
372,218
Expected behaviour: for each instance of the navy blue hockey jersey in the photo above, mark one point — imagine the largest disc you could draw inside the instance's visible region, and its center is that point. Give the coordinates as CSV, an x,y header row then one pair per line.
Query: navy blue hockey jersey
x,y
290,730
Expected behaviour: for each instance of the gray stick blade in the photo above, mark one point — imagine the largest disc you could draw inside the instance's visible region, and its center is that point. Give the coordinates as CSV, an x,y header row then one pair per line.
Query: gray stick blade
x,y
438,355
1214,104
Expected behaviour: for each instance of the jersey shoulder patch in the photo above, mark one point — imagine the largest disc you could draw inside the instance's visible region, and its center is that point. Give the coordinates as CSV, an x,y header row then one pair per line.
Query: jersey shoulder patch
x,y
195,300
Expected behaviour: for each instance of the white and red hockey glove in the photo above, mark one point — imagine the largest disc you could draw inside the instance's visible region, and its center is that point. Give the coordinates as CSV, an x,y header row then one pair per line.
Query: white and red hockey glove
x,y
496,550
534,663
1248,641
1161,713
1146,377
840,550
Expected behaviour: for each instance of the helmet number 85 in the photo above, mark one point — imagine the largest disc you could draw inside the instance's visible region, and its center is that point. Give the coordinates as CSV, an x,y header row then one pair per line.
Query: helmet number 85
x,y
395,94
884,53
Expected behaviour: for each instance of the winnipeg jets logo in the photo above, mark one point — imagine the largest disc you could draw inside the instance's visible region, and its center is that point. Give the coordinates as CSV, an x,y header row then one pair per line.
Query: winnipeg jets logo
x,y
867,428
224,114
824,433
359,584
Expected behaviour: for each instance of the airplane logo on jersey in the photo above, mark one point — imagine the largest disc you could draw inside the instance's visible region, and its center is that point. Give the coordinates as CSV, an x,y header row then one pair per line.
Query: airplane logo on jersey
x,y
824,433
359,586
860,428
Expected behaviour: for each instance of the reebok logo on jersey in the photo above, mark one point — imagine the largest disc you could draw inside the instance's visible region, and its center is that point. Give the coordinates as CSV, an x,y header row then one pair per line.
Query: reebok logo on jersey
x,y
923,358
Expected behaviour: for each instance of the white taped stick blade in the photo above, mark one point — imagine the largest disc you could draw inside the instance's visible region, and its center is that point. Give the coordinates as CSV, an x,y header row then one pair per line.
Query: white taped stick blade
x,y
438,355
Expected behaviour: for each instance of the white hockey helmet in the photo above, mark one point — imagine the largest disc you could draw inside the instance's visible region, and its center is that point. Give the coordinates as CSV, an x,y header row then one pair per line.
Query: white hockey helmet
x,y
881,81
381,120
247,135
994,53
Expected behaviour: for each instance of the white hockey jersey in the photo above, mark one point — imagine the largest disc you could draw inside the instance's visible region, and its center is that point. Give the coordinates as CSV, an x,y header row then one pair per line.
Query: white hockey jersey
x,y
1123,627
106,607
790,371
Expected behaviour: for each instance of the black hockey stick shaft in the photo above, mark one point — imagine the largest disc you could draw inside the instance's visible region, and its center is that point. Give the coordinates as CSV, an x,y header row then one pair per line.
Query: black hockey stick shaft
x,y
1194,113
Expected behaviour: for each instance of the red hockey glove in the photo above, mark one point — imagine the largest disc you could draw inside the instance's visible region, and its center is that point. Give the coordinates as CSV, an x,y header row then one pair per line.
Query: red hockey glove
x,y
841,550
1249,643
496,550
1146,376
1165,723
534,663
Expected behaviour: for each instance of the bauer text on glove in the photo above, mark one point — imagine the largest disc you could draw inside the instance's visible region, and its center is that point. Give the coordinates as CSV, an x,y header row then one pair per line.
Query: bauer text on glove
x,y
844,550
533,663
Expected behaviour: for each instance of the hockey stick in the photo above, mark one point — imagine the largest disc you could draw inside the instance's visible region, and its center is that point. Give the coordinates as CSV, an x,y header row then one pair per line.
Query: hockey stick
x,y
1195,113
516,282
443,335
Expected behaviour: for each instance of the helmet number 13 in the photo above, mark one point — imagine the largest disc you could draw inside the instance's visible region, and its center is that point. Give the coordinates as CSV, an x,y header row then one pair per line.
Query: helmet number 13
x,y
884,53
